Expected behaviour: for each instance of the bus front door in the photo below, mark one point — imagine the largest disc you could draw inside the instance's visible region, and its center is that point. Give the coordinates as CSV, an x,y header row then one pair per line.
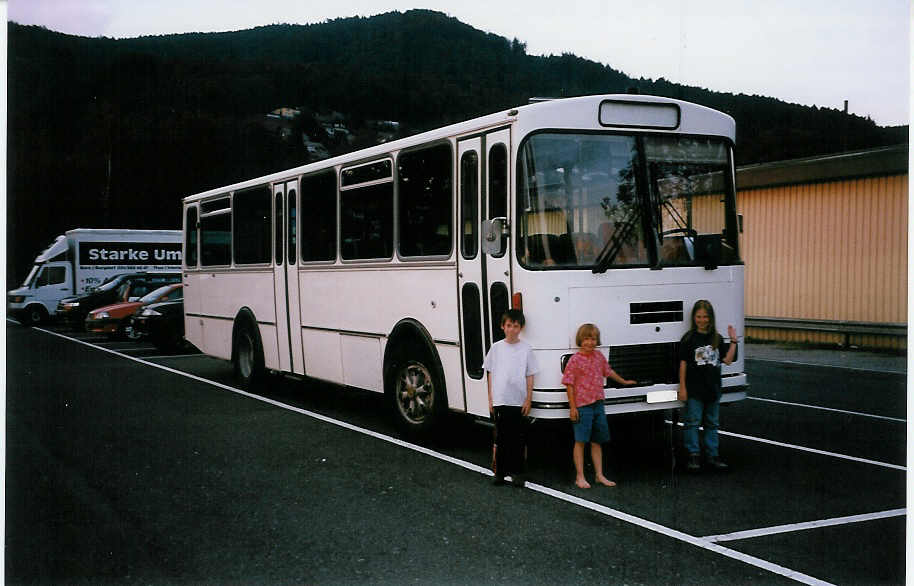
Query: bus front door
x,y
483,279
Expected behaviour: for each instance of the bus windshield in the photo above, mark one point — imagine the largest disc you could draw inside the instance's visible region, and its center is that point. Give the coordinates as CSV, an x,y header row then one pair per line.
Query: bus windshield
x,y
597,201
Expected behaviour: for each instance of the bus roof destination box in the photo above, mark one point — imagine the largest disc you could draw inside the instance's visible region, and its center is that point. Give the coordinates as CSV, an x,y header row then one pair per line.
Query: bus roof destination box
x,y
83,258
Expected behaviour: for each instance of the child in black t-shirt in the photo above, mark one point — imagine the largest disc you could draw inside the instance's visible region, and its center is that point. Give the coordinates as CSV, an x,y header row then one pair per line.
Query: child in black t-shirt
x,y
701,351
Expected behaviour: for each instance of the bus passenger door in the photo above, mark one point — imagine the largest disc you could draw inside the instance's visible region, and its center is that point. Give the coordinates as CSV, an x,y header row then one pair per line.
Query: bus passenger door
x,y
482,278
497,269
284,284
292,282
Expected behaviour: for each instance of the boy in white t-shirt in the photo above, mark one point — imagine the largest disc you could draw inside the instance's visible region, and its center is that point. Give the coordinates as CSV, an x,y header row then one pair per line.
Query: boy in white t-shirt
x,y
510,366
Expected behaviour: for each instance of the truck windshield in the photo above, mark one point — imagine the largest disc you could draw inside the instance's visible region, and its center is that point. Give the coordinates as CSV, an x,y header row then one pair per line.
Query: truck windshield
x,y
596,201
31,278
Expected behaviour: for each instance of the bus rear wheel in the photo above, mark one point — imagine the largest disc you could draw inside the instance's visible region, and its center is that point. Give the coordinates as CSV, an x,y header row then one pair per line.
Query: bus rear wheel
x,y
417,397
247,356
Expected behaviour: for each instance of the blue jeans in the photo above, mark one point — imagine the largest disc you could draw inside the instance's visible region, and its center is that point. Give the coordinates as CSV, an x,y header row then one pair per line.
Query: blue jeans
x,y
697,412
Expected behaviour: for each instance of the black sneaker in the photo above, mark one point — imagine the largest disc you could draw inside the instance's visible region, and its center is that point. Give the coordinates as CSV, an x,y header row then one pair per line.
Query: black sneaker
x,y
717,464
498,480
693,464
518,481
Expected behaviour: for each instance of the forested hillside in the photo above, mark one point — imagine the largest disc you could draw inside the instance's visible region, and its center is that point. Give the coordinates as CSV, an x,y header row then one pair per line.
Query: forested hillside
x,y
113,133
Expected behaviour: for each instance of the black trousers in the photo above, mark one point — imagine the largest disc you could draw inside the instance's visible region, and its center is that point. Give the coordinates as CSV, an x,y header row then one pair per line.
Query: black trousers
x,y
510,440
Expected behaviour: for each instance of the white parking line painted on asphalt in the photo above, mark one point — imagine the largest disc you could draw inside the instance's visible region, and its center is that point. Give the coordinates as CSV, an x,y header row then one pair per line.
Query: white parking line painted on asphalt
x,y
807,525
604,510
812,450
679,535
803,448
856,413
887,370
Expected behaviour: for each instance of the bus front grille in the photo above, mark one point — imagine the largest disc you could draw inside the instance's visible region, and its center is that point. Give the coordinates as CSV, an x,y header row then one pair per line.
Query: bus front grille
x,y
646,363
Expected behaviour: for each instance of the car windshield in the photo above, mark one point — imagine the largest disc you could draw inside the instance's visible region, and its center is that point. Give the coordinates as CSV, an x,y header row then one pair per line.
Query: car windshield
x,y
600,200
155,295
109,284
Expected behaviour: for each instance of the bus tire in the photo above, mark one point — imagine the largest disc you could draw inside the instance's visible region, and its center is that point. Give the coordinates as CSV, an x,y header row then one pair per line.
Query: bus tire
x,y
247,354
417,396
34,315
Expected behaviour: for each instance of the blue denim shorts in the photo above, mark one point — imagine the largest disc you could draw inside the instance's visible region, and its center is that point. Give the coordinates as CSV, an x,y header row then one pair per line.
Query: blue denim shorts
x,y
591,425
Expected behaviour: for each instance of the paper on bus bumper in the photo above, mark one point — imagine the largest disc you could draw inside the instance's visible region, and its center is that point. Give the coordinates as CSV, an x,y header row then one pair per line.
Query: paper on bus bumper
x,y
549,404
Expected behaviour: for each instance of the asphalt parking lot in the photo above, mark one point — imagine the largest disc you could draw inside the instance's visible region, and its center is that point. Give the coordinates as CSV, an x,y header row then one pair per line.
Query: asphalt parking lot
x,y
127,465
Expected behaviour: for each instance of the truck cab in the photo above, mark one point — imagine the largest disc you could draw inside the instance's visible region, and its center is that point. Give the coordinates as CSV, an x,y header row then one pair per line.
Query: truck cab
x,y
50,279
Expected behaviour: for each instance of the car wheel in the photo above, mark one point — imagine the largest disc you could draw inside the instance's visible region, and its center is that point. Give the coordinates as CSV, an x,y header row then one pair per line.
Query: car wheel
x,y
130,332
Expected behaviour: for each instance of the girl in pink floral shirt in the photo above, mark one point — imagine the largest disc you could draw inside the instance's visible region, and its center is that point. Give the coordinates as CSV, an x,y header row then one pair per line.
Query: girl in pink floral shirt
x,y
583,379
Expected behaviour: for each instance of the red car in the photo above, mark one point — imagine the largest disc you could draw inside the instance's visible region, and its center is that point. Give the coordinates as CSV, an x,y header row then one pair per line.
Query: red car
x,y
114,319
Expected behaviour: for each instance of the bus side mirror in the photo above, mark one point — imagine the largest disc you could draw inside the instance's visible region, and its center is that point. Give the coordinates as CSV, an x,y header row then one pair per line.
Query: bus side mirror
x,y
495,234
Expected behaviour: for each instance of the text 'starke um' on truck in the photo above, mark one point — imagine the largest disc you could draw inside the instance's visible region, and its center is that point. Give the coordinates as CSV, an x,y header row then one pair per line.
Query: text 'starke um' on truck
x,y
83,258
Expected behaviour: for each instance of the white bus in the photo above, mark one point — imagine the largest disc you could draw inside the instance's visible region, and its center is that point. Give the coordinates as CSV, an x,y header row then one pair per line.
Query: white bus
x,y
388,268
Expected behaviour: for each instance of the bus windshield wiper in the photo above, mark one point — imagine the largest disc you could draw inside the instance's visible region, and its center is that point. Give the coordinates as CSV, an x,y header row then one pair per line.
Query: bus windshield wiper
x,y
619,237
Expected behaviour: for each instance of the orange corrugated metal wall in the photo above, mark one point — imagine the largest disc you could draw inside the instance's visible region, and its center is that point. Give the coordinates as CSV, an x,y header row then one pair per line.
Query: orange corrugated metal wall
x,y
833,250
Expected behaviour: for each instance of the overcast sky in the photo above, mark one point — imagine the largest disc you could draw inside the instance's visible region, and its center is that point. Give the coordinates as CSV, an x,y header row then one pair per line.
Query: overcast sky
x,y
811,52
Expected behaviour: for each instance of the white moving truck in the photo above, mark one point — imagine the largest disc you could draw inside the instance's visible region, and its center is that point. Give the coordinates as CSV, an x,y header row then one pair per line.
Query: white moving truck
x,y
83,258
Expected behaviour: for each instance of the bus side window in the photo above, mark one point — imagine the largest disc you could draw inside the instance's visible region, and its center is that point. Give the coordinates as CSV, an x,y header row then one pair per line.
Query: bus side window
x,y
472,322
318,217
498,185
425,201
469,208
253,225
498,296
190,244
367,211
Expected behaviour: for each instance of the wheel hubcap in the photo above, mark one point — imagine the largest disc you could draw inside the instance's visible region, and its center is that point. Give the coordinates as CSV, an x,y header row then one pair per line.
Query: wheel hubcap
x,y
415,393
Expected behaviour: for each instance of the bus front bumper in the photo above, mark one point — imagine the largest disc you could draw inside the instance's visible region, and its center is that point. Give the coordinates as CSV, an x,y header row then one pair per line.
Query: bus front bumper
x,y
549,404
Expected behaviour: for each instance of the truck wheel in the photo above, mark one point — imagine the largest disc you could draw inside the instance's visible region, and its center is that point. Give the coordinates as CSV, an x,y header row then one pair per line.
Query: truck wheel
x,y
166,340
35,315
247,355
417,395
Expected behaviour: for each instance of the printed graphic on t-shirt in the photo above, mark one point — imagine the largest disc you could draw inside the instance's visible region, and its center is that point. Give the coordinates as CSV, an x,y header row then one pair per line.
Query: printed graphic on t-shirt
x,y
707,355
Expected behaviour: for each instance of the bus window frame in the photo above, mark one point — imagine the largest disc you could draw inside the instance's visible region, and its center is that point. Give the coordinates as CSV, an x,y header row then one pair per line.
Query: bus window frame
x,y
453,209
337,172
227,197
388,157
196,231
641,172
254,188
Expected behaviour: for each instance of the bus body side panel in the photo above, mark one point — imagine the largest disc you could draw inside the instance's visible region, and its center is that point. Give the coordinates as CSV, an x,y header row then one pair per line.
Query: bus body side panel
x,y
221,308
193,304
339,323
453,371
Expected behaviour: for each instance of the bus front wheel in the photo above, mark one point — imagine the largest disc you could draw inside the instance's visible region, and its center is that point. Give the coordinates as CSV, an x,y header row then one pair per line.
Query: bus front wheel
x,y
247,356
417,397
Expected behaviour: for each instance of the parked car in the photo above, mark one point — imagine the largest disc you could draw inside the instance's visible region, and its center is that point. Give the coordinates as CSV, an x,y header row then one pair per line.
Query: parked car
x,y
124,287
162,323
114,319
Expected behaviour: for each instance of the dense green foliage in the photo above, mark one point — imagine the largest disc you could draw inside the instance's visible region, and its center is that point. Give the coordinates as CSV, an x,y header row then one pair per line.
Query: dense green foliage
x,y
113,133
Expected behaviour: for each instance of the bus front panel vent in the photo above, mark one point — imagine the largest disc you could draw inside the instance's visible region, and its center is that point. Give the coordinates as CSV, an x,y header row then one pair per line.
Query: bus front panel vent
x,y
655,312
